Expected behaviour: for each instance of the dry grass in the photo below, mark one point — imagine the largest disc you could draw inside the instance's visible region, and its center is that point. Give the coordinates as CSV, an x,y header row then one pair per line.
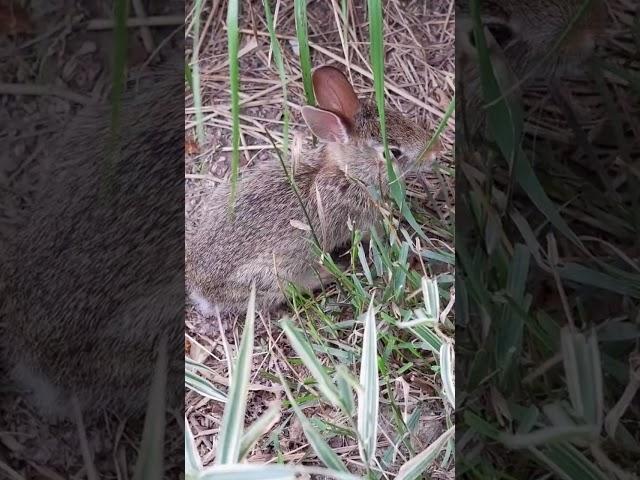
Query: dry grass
x,y
419,74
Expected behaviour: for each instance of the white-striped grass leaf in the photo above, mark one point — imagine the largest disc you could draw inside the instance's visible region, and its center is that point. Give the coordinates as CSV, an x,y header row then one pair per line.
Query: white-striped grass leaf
x,y
258,428
431,298
419,318
233,42
583,373
191,364
277,57
568,462
300,15
447,372
362,257
415,468
234,412
430,339
368,397
248,472
325,453
561,415
192,462
203,386
346,392
544,436
150,463
270,472
399,276
310,360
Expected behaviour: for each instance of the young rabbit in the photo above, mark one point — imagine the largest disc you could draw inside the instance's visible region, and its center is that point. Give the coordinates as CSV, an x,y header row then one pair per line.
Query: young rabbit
x,y
268,239
93,282
521,37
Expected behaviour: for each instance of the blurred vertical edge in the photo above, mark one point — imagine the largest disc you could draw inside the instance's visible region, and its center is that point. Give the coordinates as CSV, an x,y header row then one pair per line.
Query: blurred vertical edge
x,y
92,241
547,239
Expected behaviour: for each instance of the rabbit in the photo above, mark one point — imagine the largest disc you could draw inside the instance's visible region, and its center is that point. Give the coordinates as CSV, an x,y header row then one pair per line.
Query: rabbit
x,y
269,239
93,283
520,38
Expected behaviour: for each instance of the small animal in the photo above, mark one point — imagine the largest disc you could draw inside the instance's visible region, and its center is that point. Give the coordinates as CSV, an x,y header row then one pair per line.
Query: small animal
x,y
269,237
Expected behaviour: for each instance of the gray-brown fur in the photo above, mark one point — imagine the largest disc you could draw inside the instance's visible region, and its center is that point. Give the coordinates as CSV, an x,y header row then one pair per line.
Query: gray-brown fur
x,y
264,243
92,285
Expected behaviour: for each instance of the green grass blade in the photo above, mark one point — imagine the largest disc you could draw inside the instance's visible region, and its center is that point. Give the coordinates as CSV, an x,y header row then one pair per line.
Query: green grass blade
x,y
300,14
259,428
271,472
195,73
310,360
233,41
120,35
568,463
277,57
150,463
325,453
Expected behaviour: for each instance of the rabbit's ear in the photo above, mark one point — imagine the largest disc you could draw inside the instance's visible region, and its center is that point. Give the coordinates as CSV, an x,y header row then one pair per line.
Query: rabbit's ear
x,y
334,92
325,125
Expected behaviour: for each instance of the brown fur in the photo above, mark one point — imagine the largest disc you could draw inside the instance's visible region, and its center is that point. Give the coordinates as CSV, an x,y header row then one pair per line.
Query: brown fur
x,y
263,242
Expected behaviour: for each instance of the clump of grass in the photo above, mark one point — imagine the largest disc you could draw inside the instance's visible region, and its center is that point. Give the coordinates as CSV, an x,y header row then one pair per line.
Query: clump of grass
x,y
539,373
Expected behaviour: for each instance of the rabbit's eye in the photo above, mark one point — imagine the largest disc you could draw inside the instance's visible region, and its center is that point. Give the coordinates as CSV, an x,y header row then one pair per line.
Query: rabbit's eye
x,y
396,152
501,32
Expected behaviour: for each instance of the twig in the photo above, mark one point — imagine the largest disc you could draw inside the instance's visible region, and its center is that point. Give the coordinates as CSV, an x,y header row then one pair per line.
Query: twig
x,y
43,90
145,32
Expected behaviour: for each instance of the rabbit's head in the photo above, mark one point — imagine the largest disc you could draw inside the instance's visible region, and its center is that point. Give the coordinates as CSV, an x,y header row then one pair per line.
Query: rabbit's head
x,y
552,36
352,128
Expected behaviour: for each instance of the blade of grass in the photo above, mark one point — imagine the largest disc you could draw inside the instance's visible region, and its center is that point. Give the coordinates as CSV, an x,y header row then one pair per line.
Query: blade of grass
x,y
416,468
195,73
121,13
150,463
310,360
300,14
233,41
368,395
277,57
325,453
